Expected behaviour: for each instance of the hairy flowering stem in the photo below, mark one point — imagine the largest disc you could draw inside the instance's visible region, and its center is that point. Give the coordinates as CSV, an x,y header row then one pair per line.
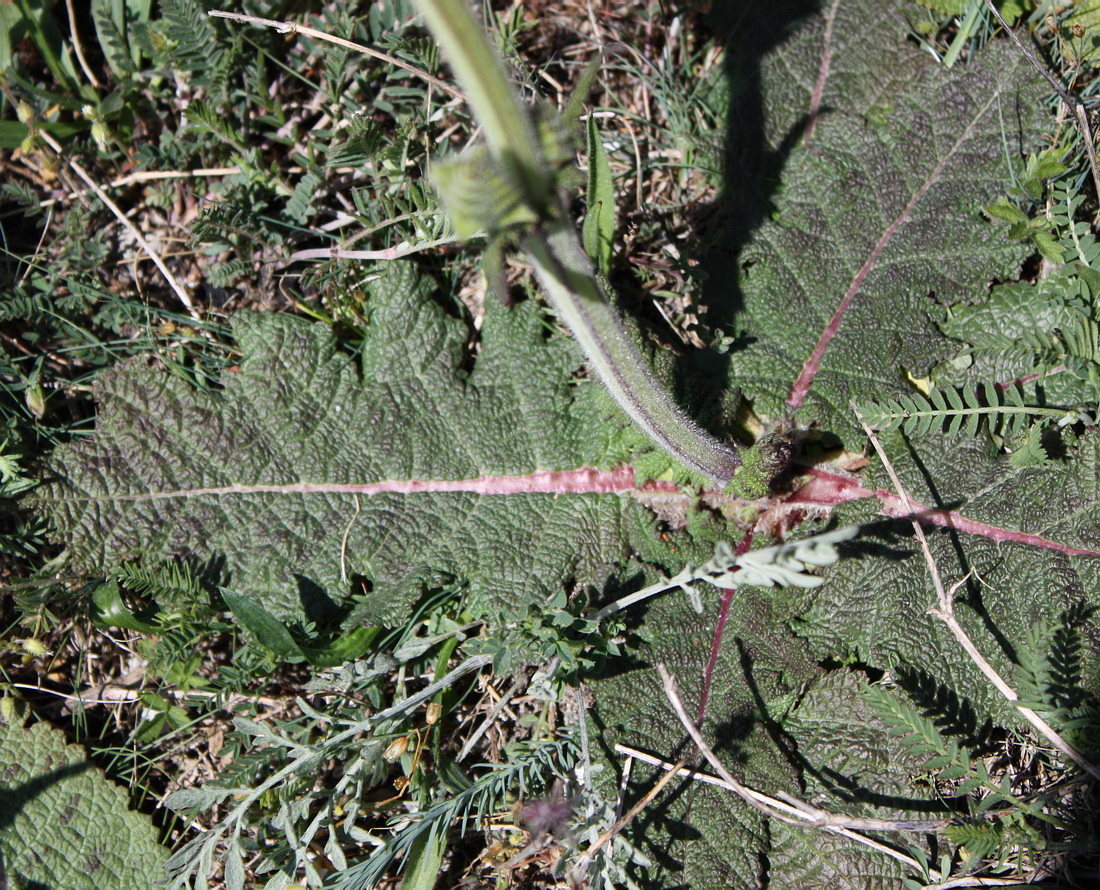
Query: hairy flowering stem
x,y
508,130
552,246
567,277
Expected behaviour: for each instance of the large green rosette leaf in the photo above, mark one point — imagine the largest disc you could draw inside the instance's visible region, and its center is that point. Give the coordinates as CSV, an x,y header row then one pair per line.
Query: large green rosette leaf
x,y
172,471
879,220
880,202
697,835
845,755
876,608
63,824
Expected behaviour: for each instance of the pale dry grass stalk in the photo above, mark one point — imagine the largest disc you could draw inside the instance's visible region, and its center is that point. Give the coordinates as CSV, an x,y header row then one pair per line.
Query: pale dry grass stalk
x,y
180,290
582,864
794,808
974,881
150,176
945,611
78,47
385,253
795,812
294,28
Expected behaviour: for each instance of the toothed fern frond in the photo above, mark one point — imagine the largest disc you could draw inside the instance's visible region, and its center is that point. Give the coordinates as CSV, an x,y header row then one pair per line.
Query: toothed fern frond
x,y
1000,410
300,206
1050,326
951,714
167,583
1050,676
919,734
196,47
358,145
978,840
412,216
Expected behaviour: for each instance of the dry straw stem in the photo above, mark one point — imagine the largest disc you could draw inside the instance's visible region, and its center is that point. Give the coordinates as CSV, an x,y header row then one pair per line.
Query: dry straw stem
x,y
916,825
801,813
75,32
794,807
980,882
945,611
294,28
340,253
486,724
144,176
1077,109
582,864
181,292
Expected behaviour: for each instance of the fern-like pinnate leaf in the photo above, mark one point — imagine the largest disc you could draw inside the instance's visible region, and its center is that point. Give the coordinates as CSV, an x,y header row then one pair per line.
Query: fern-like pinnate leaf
x,y
109,21
195,45
404,213
316,475
920,734
1049,677
1001,409
1047,332
300,206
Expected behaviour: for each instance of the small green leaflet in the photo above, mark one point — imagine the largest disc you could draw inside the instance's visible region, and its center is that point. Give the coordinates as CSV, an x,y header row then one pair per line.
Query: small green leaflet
x,y
598,229
273,634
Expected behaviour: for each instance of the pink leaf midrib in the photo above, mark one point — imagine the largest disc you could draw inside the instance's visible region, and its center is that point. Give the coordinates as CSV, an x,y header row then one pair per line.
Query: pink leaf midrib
x,y
822,72
812,365
825,489
583,480
832,489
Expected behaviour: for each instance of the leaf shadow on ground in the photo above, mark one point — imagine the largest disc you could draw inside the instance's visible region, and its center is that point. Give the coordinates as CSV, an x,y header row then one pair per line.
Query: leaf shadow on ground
x,y
954,715
12,801
751,177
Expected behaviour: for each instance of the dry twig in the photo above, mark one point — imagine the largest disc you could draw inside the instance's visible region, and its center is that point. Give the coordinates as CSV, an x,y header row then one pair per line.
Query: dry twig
x,y
75,33
181,292
294,28
582,864
945,611
802,814
974,881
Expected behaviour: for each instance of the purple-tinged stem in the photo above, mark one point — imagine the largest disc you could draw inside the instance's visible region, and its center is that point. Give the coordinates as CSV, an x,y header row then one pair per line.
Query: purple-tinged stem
x,y
1028,378
823,71
719,629
809,371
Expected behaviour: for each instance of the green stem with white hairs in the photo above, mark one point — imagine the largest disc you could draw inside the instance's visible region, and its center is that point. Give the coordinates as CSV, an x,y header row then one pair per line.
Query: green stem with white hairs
x,y
504,121
560,263
565,272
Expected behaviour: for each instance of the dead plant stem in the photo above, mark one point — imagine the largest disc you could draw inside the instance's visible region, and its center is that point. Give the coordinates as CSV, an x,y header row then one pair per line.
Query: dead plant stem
x,y
582,864
294,28
181,292
945,611
803,814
